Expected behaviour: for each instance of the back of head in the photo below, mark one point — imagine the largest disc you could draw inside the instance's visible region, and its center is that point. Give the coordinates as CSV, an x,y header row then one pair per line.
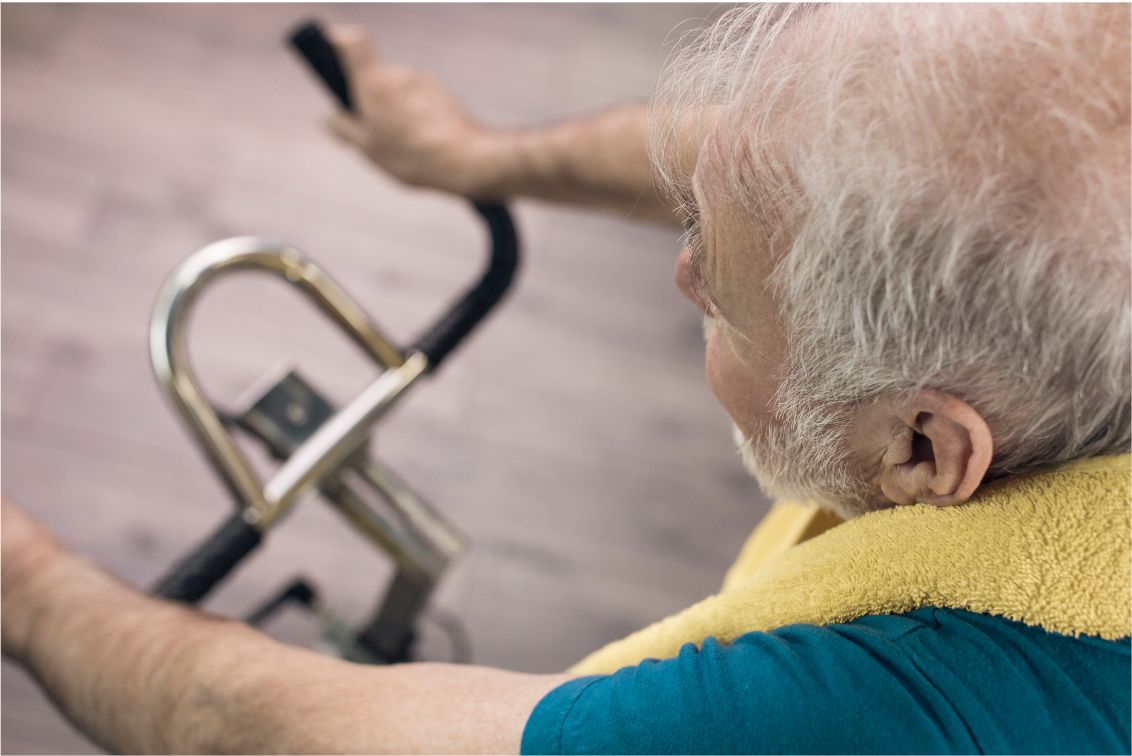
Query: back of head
x,y
951,190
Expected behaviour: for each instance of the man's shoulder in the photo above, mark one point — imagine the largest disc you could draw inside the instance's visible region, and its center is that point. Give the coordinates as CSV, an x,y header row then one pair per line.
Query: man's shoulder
x,y
926,681
964,641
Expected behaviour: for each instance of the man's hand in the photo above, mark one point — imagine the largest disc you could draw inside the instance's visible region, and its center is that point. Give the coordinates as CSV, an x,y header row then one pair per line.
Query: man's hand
x,y
144,675
411,127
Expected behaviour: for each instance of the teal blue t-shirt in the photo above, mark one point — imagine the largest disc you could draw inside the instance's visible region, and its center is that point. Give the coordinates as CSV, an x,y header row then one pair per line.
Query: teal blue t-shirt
x,y
930,681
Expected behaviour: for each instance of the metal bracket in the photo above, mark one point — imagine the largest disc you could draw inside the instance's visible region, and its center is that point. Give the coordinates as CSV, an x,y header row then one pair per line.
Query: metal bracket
x,y
417,537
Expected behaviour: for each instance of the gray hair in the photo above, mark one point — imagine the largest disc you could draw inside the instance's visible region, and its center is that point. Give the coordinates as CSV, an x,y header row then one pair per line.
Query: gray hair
x,y
951,186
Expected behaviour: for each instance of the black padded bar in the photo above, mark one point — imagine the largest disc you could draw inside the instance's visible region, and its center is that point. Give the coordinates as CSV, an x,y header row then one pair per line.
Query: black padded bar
x,y
316,49
470,309
195,575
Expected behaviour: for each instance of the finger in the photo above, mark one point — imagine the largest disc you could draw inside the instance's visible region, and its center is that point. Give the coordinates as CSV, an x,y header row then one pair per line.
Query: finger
x,y
347,128
353,46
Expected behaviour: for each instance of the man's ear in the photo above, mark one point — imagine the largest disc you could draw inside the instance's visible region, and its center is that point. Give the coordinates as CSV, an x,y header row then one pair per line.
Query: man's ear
x,y
940,452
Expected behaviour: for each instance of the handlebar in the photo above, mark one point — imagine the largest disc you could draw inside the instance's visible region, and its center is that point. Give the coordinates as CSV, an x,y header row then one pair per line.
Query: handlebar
x,y
310,41
193,577
466,313
316,49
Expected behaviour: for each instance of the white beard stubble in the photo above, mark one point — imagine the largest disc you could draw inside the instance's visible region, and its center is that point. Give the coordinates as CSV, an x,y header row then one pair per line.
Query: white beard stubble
x,y
805,467
808,465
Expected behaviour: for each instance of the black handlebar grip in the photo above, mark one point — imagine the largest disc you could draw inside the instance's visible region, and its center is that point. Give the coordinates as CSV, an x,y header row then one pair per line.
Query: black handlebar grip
x,y
195,575
313,45
470,309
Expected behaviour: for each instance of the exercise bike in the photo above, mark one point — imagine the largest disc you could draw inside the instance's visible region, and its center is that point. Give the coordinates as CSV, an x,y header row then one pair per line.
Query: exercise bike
x,y
324,450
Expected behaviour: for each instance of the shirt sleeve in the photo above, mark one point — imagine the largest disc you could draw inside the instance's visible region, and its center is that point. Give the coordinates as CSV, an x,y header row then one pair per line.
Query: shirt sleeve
x,y
799,689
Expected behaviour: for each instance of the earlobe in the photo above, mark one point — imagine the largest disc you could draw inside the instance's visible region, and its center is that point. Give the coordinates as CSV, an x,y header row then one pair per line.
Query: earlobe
x,y
939,455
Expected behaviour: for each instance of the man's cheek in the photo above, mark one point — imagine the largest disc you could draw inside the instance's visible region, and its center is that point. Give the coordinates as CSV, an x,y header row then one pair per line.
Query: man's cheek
x,y
741,389
725,377
711,362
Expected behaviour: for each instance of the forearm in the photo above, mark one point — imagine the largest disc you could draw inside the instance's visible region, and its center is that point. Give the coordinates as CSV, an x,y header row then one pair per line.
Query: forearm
x,y
120,665
411,127
143,675
601,161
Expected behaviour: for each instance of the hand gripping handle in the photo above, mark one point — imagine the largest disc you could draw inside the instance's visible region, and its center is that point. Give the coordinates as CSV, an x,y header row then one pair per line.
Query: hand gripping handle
x,y
196,574
463,316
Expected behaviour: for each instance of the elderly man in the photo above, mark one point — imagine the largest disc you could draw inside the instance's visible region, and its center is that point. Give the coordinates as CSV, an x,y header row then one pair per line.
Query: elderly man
x,y
909,233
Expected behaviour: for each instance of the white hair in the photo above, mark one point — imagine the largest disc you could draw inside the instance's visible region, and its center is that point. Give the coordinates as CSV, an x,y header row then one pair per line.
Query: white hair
x,y
951,196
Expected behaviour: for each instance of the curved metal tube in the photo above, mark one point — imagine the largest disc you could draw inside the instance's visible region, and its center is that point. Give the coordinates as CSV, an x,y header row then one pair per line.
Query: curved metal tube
x,y
171,364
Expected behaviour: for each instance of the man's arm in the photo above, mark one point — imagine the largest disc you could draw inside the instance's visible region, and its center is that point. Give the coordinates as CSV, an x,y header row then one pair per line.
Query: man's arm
x,y
411,127
140,674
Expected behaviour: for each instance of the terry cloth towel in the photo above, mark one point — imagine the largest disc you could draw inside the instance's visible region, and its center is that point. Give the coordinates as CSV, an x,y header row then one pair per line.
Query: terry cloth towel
x,y
1052,549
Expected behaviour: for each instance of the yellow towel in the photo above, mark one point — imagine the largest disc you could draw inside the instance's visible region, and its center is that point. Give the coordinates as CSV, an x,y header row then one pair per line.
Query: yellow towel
x,y
1052,549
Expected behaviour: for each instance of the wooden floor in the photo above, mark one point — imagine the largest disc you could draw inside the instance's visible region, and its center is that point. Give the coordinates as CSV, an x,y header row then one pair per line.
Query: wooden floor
x,y
574,437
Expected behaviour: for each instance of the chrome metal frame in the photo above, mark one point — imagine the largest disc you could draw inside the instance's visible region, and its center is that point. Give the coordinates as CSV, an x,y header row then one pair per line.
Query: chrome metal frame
x,y
430,542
